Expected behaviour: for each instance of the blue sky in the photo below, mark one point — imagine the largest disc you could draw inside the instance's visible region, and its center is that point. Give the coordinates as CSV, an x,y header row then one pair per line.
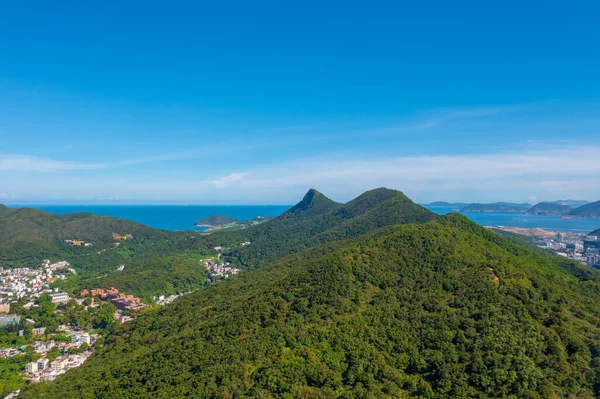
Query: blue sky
x,y
255,102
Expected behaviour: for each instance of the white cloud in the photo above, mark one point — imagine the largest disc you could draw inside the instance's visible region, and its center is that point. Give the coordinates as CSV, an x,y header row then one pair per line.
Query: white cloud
x,y
518,175
570,171
27,163
229,179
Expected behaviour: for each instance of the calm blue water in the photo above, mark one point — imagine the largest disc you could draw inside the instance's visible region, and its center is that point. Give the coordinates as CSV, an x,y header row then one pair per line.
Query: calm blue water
x,y
183,217
169,217
553,223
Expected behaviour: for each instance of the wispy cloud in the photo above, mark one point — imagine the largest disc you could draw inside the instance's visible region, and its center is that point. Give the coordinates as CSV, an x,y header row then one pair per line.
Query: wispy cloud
x,y
520,174
571,171
28,163
229,179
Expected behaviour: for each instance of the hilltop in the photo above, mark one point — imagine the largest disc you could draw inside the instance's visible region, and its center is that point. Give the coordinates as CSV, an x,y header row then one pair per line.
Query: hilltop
x,y
317,219
591,210
313,203
549,208
496,207
438,308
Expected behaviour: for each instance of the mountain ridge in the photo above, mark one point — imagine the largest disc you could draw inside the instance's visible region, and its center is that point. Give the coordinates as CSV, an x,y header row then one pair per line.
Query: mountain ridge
x,y
313,202
591,210
443,308
294,231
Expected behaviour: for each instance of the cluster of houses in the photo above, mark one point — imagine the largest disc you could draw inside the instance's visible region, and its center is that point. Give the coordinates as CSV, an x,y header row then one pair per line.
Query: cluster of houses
x,y
162,300
24,282
45,370
121,301
219,269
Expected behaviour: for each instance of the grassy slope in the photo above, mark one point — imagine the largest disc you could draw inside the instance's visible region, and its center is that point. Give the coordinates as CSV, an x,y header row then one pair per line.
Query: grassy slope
x,y
410,310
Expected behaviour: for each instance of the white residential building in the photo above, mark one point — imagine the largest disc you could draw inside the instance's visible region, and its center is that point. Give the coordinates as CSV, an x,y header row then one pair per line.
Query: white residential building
x,y
31,367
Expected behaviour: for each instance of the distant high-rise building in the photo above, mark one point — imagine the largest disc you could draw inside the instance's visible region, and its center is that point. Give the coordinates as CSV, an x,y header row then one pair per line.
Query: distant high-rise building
x,y
591,242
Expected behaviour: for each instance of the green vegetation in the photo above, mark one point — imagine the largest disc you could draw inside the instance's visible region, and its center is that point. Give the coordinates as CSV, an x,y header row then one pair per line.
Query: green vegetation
x,y
375,298
10,380
156,262
153,276
438,309
591,210
316,220
549,208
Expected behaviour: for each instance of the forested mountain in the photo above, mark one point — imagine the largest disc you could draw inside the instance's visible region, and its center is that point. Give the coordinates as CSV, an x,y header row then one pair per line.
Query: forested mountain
x,y
25,232
438,309
591,210
549,208
317,219
156,261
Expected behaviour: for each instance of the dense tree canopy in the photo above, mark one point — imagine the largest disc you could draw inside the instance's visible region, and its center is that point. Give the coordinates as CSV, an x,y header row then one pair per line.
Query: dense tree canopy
x,y
438,309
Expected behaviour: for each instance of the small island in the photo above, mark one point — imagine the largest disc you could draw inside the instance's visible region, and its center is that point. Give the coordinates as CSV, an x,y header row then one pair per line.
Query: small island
x,y
215,221
516,208
227,223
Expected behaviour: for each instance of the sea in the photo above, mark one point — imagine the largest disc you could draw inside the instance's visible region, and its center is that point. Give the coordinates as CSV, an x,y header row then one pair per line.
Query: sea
x,y
183,217
168,217
515,219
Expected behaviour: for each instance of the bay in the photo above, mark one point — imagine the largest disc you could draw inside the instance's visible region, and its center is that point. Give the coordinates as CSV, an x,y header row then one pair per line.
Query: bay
x,y
183,217
515,219
168,217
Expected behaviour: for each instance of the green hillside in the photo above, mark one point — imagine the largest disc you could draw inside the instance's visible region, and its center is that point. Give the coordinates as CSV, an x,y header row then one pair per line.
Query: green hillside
x,y
438,309
27,233
549,208
157,261
591,210
317,219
